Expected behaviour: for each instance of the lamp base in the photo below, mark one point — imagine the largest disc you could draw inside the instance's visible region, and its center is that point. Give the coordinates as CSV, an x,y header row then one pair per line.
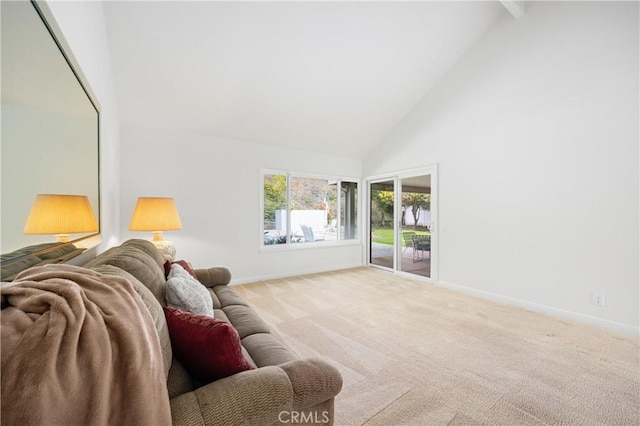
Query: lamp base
x,y
166,248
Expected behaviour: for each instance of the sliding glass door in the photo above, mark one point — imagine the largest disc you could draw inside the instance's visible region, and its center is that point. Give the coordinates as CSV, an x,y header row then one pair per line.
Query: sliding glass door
x,y
382,221
415,225
402,222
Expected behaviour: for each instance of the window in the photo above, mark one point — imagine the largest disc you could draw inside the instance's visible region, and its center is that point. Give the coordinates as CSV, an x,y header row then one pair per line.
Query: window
x,y
274,206
313,205
300,209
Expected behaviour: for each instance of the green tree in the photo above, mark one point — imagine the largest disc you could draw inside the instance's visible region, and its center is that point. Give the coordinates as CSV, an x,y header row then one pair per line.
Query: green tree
x,y
384,202
275,195
416,201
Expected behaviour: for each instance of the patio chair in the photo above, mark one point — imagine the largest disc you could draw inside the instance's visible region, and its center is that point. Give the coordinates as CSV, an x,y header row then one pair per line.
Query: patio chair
x,y
331,227
307,231
408,240
421,244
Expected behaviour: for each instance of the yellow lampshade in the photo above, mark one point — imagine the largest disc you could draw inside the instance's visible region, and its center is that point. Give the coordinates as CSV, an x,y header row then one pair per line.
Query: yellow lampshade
x,y
61,215
155,214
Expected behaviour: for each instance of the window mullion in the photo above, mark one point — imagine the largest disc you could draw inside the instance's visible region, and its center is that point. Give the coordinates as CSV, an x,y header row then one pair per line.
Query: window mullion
x,y
288,213
339,210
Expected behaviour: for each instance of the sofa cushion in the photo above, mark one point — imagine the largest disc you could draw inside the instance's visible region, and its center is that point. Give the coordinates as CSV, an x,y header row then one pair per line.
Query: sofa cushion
x,y
179,380
245,320
135,259
152,305
247,356
214,299
208,348
186,293
265,349
214,276
228,296
219,313
148,247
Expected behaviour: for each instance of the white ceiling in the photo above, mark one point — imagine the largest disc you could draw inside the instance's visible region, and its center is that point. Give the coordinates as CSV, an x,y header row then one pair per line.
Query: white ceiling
x,y
331,77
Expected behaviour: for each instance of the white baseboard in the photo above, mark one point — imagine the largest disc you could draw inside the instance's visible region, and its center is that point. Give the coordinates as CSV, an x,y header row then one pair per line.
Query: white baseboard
x,y
544,309
293,274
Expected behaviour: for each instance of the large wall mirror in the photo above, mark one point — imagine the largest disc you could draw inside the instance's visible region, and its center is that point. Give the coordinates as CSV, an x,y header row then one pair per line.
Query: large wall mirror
x,y
50,126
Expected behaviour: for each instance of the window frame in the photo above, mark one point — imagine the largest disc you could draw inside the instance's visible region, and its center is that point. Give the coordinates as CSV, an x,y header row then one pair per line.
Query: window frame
x,y
288,245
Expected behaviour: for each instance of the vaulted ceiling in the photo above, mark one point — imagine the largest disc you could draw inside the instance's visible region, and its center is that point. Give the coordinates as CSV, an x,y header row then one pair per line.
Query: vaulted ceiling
x,y
332,77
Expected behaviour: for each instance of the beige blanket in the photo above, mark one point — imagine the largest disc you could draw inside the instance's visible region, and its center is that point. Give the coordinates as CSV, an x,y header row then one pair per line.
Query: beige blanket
x,y
79,348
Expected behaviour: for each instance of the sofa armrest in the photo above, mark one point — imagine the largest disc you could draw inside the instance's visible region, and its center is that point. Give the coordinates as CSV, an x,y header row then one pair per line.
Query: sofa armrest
x,y
212,277
253,397
313,380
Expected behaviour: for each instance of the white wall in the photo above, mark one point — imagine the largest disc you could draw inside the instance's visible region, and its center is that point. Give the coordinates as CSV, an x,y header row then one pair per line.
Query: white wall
x,y
535,132
81,27
216,184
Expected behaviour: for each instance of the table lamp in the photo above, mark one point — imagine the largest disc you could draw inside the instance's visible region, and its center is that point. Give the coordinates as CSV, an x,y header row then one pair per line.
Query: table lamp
x,y
157,214
61,215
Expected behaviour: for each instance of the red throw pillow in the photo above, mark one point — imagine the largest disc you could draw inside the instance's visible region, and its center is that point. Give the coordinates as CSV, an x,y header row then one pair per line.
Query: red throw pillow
x,y
183,263
209,348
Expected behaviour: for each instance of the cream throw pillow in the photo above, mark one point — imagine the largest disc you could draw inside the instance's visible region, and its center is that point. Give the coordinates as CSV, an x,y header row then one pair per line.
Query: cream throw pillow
x,y
186,293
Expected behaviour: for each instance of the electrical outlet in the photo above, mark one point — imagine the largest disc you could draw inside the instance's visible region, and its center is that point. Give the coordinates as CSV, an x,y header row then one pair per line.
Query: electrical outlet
x,y
597,299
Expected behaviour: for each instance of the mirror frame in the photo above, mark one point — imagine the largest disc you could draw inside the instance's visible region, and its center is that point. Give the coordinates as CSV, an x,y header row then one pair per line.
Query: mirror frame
x,y
42,11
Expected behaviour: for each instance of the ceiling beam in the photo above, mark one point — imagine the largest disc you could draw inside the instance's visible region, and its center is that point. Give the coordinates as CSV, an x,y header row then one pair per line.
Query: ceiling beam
x,y
515,7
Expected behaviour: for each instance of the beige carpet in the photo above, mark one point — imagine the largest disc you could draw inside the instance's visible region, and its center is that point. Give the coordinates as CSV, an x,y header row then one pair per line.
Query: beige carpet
x,y
414,353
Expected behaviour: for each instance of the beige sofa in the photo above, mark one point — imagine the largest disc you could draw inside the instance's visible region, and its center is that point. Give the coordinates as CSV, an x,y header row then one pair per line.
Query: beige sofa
x,y
283,388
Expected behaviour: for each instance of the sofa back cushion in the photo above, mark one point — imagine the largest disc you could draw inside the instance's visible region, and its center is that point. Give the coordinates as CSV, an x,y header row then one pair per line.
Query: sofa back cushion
x,y
139,258
153,307
147,247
